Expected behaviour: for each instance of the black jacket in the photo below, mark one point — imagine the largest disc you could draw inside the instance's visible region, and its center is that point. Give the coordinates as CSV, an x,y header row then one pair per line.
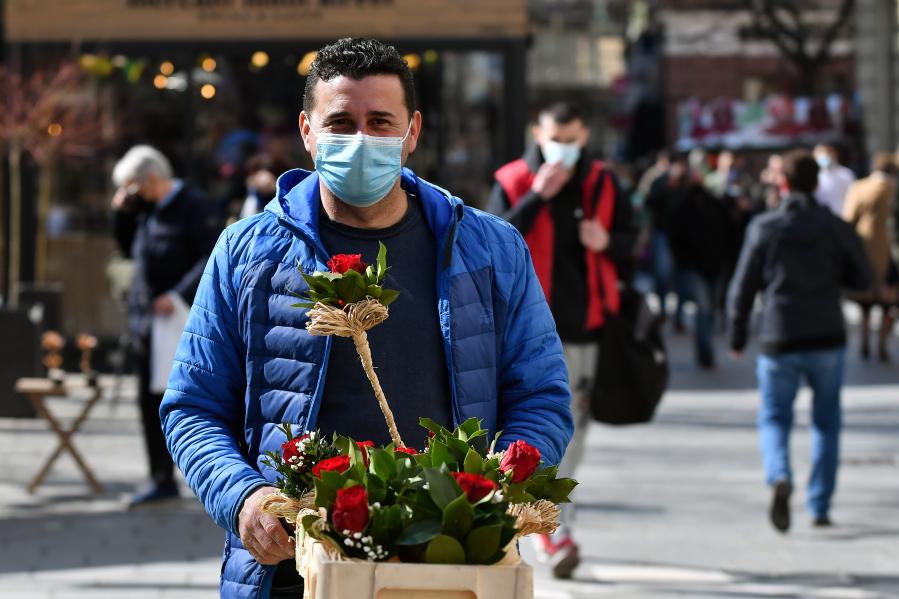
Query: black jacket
x,y
700,230
169,245
570,308
800,257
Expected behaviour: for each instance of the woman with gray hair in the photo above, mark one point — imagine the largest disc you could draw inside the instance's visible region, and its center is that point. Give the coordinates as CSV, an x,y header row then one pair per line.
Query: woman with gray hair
x,y
168,231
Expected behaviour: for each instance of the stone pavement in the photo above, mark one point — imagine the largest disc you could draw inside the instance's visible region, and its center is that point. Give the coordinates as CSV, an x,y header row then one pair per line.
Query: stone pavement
x,y
673,509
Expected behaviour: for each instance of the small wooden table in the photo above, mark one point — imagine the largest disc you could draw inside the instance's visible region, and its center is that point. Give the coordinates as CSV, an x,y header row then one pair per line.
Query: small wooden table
x,y
38,390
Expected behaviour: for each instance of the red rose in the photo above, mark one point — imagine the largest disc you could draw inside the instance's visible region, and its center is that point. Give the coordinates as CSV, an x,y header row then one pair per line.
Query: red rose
x,y
363,445
339,463
293,448
476,487
408,450
340,263
522,459
350,509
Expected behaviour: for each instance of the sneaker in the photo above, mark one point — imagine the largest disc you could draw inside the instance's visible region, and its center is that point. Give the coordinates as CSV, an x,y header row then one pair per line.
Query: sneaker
x,y
780,505
563,557
153,494
822,522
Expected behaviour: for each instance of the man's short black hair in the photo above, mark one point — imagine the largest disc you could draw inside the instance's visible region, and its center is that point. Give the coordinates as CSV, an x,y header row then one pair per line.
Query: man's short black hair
x,y
358,57
801,171
562,113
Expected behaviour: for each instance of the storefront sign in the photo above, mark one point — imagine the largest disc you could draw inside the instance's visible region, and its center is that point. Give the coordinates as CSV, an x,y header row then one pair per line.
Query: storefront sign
x,y
186,20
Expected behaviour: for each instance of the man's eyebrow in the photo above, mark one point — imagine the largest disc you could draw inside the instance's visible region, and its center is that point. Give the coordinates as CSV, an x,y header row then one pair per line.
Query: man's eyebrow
x,y
336,115
382,113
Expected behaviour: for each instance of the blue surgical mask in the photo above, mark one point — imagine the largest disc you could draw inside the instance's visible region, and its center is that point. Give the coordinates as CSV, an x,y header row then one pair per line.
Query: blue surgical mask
x,y
359,169
823,160
567,154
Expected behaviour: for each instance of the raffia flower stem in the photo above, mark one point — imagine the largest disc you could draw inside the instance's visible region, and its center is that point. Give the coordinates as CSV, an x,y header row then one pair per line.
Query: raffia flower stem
x,y
360,338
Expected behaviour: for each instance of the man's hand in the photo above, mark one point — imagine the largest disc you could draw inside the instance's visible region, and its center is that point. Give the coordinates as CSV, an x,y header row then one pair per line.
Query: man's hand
x,y
262,534
550,180
163,305
118,200
594,236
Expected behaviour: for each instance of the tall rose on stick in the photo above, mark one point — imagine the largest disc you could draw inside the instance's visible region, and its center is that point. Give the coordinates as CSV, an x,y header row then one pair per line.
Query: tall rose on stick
x,y
347,302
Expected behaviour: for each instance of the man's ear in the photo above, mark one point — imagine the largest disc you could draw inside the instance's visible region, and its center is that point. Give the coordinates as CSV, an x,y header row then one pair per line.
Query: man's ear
x,y
414,132
307,134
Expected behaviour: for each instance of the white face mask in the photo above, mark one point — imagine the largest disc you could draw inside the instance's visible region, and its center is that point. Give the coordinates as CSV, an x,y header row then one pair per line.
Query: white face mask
x,y
566,154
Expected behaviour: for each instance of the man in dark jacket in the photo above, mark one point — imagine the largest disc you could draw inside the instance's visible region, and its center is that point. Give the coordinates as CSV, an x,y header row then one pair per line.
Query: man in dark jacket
x,y
579,230
799,257
166,229
699,231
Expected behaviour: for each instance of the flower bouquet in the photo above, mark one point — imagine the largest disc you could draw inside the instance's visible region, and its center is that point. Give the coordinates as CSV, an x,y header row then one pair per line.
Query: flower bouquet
x,y
456,502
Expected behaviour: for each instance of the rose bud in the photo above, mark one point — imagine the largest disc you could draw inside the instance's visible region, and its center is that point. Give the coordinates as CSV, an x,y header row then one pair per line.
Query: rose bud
x,y
364,445
350,509
406,450
475,486
522,459
339,463
340,263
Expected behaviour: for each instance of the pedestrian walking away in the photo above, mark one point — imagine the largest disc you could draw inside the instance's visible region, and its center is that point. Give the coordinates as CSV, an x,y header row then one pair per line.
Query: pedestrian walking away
x,y
579,231
166,228
799,257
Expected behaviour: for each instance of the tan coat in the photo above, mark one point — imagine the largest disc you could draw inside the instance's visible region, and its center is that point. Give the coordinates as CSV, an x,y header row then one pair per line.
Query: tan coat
x,y
868,208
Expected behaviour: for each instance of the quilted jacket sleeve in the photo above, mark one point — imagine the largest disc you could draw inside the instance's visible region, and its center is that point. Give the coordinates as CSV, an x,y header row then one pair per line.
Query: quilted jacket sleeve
x,y
535,400
202,411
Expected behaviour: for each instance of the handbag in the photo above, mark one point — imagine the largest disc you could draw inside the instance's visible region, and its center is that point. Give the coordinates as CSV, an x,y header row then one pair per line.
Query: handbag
x,y
632,370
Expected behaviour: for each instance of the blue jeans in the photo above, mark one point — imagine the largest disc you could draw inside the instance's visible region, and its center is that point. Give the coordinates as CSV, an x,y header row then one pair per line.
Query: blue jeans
x,y
779,379
704,291
663,270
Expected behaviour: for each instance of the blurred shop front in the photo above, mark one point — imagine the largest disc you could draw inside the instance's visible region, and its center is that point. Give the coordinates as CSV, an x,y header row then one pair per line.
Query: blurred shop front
x,y
215,84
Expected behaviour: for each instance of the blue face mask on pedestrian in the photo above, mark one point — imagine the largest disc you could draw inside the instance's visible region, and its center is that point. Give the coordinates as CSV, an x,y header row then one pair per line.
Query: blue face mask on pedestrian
x,y
556,152
359,169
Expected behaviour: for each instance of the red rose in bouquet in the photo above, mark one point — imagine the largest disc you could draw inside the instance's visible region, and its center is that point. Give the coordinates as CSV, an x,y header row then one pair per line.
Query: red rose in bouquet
x,y
476,487
293,449
522,459
350,509
339,463
340,263
406,450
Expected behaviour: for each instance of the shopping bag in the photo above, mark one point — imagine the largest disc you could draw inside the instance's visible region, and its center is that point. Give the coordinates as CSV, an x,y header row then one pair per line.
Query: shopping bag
x,y
165,334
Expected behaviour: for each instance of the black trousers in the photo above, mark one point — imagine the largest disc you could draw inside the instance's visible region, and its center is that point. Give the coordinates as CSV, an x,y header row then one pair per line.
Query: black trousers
x,y
162,468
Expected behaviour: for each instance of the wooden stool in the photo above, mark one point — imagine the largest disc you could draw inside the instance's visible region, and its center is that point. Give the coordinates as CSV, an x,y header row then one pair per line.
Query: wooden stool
x,y
38,390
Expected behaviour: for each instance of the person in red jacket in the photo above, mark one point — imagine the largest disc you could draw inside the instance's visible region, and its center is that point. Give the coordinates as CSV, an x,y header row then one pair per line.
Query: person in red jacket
x,y
578,227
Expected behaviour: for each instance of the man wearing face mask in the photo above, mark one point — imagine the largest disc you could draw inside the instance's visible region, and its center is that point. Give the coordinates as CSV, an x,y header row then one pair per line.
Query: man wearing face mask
x,y
469,336
166,229
579,230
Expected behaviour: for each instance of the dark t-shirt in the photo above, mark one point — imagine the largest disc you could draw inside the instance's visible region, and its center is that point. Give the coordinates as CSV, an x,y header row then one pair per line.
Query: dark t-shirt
x,y
407,349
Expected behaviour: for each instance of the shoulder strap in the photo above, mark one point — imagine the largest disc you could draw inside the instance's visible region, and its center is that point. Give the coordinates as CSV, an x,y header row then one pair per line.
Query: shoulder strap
x,y
515,178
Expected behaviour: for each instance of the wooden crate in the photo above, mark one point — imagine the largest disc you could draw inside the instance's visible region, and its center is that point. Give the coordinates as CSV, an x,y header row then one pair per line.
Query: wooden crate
x,y
330,579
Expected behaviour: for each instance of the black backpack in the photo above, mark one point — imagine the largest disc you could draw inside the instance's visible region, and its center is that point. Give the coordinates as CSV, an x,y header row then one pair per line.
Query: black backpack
x,y
632,370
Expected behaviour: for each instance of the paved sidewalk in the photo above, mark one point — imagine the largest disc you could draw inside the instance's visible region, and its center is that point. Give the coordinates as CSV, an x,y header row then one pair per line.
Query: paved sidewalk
x,y
674,509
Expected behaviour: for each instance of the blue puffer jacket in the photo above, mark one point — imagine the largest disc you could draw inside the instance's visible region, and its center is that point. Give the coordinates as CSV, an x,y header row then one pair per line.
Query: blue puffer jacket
x,y
246,363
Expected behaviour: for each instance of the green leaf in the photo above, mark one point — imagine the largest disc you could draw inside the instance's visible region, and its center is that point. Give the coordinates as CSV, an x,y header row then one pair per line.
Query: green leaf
x,y
470,426
382,261
474,463
457,448
560,490
383,464
444,550
432,426
374,291
419,532
324,495
441,487
423,459
457,517
319,284
439,454
351,288
482,543
334,480
388,296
